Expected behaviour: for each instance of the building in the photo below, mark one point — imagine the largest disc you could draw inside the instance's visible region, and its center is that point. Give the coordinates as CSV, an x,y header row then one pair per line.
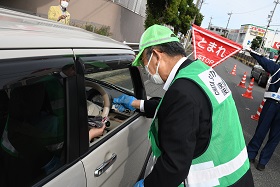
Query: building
x,y
124,17
233,34
248,32
217,30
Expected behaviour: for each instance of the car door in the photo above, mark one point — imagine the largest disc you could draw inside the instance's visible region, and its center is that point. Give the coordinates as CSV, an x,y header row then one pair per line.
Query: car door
x,y
117,157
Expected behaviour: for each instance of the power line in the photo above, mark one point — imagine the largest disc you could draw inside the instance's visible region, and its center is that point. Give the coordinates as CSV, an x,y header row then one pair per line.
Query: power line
x,y
253,10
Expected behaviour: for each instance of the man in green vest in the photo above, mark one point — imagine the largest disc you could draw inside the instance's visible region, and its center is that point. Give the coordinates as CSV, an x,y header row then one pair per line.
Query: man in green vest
x,y
195,140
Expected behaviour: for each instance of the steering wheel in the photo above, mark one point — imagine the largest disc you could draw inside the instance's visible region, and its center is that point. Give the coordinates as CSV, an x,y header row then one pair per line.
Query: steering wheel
x,y
104,95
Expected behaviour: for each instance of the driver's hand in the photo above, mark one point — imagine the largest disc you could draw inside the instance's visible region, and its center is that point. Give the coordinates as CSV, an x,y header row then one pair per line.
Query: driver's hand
x,y
124,101
95,132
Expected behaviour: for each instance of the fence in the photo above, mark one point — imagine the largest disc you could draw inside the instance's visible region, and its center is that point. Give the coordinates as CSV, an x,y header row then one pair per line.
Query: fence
x,y
245,59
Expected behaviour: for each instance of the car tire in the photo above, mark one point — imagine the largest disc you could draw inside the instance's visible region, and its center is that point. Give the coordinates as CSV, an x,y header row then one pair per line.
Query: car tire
x,y
251,75
260,81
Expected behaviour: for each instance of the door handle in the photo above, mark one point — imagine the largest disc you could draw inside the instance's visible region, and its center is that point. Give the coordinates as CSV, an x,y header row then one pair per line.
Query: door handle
x,y
105,165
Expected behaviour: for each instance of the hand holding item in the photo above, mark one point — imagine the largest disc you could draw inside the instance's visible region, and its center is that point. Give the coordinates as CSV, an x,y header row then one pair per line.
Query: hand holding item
x,y
125,101
95,132
61,17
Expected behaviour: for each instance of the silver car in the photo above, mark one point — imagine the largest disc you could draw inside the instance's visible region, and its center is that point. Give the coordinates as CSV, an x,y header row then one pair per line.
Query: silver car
x,y
57,82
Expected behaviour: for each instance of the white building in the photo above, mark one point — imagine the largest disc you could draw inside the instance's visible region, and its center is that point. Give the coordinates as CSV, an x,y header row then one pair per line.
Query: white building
x,y
248,32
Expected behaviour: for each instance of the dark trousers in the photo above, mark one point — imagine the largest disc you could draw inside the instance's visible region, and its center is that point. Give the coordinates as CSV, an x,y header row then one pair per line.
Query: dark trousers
x,y
269,121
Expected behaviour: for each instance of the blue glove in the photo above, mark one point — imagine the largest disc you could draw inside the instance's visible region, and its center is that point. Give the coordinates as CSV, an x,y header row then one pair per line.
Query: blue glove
x,y
120,107
125,101
139,183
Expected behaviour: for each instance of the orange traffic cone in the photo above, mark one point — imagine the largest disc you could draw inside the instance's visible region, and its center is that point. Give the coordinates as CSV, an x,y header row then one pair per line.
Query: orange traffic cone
x,y
243,81
233,72
248,93
257,115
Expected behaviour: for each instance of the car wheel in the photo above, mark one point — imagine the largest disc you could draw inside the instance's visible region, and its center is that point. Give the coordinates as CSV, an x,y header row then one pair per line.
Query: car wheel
x,y
260,81
251,76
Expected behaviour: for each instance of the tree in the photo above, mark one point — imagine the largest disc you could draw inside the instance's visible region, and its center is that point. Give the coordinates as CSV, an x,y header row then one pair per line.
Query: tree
x,y
256,43
177,13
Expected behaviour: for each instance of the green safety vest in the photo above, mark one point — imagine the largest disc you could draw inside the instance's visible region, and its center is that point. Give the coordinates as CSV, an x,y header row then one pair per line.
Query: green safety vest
x,y
225,161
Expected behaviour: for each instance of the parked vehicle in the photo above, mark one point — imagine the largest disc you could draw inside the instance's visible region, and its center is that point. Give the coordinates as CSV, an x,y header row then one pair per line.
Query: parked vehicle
x,y
260,75
54,80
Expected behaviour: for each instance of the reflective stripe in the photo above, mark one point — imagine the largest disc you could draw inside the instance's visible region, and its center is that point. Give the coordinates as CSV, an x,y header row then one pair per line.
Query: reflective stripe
x,y
6,144
272,95
198,175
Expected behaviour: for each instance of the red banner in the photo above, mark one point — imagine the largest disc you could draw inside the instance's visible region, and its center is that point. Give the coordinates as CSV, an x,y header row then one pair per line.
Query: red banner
x,y
276,45
212,48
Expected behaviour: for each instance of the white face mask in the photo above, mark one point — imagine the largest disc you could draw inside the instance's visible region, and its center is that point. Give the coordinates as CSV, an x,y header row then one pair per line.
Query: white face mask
x,y
64,4
155,78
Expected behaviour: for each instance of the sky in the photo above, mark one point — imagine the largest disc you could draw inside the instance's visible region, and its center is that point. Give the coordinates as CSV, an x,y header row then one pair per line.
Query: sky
x,y
243,12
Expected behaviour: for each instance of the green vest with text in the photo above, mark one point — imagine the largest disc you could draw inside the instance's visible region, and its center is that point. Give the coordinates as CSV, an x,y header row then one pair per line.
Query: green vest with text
x,y
225,160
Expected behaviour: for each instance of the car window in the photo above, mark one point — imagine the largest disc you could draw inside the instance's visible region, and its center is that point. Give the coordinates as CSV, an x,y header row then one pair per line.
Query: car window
x,y
46,107
112,69
108,75
33,121
120,78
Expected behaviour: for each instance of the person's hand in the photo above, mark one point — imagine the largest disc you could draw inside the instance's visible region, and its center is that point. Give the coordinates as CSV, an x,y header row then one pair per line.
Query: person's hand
x,y
120,107
61,17
95,132
124,101
139,183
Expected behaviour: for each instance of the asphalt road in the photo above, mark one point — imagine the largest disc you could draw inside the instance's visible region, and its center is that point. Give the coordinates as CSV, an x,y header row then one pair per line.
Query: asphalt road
x,y
270,177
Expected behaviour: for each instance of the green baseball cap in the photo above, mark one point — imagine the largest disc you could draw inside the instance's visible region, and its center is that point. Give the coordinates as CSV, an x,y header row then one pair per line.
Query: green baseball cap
x,y
154,35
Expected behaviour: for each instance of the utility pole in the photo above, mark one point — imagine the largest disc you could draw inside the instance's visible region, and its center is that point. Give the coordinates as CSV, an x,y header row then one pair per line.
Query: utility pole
x,y
276,3
210,22
276,32
228,22
198,5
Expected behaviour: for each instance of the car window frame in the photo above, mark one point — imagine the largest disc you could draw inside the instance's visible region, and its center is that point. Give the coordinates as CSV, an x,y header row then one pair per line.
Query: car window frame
x,y
138,85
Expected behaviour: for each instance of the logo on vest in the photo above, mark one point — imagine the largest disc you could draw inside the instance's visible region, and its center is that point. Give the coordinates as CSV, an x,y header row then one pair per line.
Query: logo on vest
x,y
215,84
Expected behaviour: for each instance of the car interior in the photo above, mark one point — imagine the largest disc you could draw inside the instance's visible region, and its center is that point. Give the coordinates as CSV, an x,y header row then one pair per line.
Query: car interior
x,y
100,103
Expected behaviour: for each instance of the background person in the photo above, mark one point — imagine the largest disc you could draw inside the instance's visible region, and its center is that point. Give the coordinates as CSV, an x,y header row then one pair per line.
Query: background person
x,y
193,138
59,13
270,116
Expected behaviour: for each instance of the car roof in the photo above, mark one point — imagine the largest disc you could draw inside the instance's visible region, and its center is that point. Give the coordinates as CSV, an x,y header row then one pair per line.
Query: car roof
x,y
23,31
